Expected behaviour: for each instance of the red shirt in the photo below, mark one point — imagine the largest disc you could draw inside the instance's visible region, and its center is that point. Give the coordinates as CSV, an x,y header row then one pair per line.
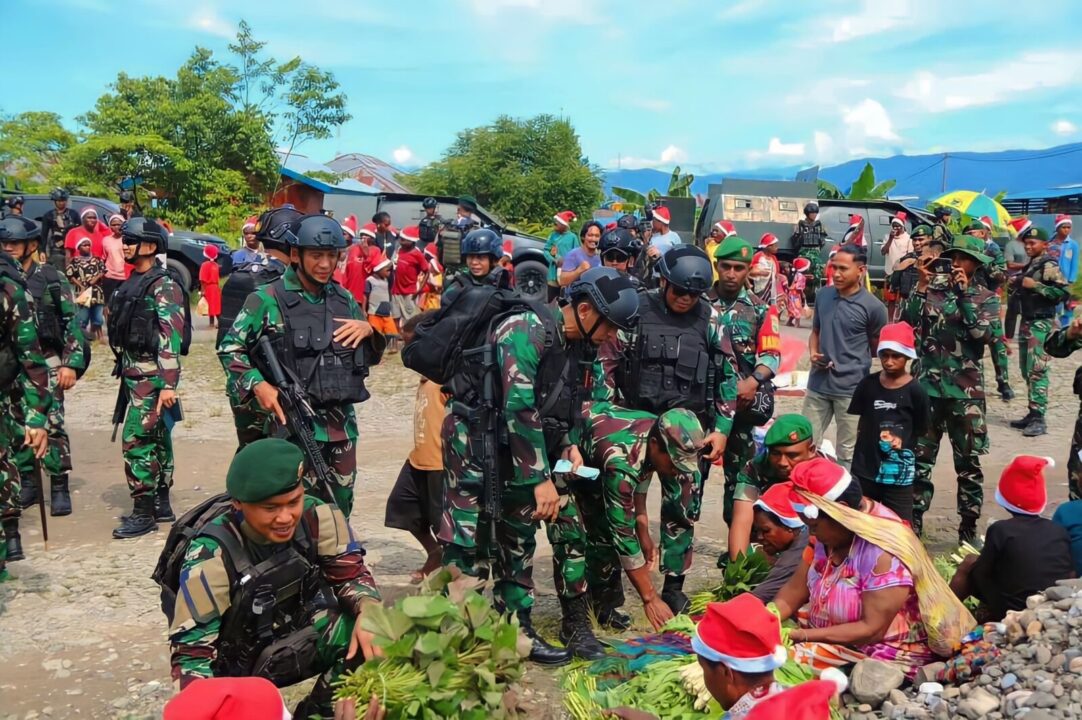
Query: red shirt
x,y
97,247
409,266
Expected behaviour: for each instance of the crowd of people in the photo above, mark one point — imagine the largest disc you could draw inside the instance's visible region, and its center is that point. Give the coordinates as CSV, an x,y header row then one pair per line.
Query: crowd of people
x,y
652,357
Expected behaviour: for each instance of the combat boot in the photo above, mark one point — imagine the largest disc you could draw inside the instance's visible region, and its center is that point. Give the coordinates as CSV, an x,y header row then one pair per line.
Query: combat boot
x,y
28,491
672,594
1022,423
614,619
1036,427
60,500
575,631
1006,394
967,530
13,541
140,522
540,651
163,509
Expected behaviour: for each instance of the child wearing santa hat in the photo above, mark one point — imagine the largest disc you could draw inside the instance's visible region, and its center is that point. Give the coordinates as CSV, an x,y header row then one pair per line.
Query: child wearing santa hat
x,y
209,283
561,241
1022,555
378,296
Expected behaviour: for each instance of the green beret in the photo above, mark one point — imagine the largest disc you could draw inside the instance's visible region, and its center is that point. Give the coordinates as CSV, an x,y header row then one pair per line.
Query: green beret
x,y
1034,232
683,436
263,469
469,202
971,246
921,231
788,430
736,248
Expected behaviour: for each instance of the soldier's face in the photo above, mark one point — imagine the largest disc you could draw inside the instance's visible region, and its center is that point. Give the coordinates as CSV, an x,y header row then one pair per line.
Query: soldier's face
x,y
732,276
318,264
276,517
61,205
430,212
479,265
785,457
964,263
679,300
14,248
1035,247
659,458
591,318
616,260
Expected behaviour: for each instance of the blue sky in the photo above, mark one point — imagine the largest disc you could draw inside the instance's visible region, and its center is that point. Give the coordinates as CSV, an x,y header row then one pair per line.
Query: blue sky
x,y
711,85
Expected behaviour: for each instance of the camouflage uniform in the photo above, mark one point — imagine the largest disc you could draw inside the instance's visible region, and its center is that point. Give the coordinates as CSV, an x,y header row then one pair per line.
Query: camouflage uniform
x,y
519,344
992,276
147,442
19,348
1058,345
207,592
336,427
57,460
1051,289
814,254
752,326
952,334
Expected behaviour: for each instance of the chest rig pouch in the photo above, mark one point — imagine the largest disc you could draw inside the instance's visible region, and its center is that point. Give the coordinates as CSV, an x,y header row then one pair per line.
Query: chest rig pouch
x,y
332,373
238,287
811,234
1034,305
44,286
670,363
133,320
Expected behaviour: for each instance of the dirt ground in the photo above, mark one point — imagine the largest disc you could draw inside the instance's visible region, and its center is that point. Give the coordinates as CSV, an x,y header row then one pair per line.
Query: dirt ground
x,y
81,632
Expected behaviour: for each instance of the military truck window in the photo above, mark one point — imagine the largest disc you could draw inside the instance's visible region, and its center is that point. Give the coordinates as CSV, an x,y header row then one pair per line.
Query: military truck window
x,y
743,203
884,220
787,205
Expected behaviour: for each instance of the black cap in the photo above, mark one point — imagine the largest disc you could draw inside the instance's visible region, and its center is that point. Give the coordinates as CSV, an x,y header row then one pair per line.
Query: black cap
x,y
429,202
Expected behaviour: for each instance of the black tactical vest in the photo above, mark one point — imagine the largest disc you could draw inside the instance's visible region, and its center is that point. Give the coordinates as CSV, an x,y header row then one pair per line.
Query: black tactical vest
x,y
45,288
9,362
669,364
332,374
811,234
428,228
238,287
133,322
1035,306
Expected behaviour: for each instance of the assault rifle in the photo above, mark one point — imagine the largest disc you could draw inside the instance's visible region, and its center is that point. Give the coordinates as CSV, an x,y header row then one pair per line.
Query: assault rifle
x,y
300,417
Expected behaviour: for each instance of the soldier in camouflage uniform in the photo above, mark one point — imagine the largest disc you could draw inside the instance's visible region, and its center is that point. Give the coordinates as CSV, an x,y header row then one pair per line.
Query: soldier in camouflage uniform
x,y
677,358
940,230
600,301
62,342
481,251
1041,287
146,331
213,631
317,330
809,236
1061,344
628,446
752,326
954,319
24,381
992,276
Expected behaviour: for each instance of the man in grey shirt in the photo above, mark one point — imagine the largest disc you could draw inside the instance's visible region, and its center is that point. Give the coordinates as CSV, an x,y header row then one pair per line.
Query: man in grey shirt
x,y
845,334
1015,255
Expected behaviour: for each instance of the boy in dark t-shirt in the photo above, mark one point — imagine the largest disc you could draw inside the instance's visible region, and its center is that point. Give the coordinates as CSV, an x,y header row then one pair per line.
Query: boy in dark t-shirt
x,y
893,410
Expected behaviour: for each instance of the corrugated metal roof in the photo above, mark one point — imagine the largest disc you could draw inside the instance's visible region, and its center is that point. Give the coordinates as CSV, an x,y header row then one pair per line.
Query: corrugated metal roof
x,y
369,170
1056,192
297,167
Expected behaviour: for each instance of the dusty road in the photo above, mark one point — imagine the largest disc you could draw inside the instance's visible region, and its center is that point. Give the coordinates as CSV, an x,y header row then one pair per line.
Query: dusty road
x,y
81,633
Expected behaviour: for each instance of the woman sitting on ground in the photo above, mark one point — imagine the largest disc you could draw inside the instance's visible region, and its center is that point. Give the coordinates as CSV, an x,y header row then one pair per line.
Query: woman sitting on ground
x,y
870,588
782,536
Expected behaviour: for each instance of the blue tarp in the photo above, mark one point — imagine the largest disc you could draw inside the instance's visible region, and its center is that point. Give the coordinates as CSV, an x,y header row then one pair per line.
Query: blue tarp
x,y
296,166
1056,192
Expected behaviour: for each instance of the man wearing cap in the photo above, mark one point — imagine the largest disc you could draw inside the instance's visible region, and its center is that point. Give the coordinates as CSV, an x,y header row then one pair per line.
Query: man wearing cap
x,y
274,547
992,276
428,227
753,353
904,276
561,241
809,236
789,441
896,245
739,646
662,239
940,229
13,206
628,446
721,230
249,252
955,319
1016,258
56,223
410,274
1065,249
1041,288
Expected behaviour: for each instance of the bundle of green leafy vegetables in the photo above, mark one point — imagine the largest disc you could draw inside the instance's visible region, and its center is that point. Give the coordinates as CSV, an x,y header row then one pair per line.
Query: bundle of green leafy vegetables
x,y
740,576
447,654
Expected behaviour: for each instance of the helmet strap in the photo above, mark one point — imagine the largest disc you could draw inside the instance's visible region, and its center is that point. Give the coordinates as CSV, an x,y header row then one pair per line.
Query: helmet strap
x,y
304,273
586,335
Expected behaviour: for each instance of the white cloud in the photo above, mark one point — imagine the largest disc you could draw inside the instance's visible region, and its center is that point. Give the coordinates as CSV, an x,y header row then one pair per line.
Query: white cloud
x,y
208,20
673,154
1064,127
824,146
868,119
872,19
402,154
670,156
777,147
1042,69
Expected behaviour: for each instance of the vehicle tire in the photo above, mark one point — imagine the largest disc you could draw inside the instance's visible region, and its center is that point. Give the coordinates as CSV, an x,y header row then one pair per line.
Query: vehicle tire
x,y
531,280
182,272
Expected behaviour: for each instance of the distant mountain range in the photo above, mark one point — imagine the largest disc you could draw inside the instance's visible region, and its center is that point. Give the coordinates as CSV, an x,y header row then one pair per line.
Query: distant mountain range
x,y
921,176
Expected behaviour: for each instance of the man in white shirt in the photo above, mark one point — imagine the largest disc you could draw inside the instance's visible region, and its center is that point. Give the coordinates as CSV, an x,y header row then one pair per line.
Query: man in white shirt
x,y
663,239
896,244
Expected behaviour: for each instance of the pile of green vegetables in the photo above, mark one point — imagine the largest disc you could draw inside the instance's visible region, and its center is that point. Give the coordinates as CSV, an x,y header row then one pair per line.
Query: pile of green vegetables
x,y
659,689
947,565
447,654
740,576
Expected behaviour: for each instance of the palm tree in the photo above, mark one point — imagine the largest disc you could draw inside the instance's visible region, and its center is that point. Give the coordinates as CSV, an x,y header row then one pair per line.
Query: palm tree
x,y
863,188
633,200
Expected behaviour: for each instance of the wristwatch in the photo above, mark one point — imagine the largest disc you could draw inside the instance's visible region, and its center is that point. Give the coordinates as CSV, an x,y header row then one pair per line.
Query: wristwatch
x,y
760,377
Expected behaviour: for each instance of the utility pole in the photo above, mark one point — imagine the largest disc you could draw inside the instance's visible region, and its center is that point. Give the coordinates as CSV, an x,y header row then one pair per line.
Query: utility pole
x,y
943,186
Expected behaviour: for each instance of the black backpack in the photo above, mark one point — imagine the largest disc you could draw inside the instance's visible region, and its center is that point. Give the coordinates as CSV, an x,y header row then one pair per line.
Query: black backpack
x,y
464,324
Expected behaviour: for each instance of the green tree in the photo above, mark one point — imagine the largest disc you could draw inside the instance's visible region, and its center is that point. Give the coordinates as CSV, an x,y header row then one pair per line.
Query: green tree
x,y
679,186
31,143
522,169
863,188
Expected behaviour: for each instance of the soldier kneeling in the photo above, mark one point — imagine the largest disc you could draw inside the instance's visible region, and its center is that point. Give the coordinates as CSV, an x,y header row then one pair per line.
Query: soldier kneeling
x,y
267,582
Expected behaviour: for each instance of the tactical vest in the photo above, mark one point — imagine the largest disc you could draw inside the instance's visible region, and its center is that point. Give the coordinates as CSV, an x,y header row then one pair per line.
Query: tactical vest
x,y
1035,306
47,307
331,373
670,364
133,322
238,287
811,235
55,227
428,228
9,361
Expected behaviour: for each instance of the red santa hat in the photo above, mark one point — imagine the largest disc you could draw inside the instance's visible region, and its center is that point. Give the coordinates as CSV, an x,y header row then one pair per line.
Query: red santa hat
x,y
116,216
1021,486
854,235
726,228
987,222
210,252
381,262
899,218
900,338
768,239
741,634
368,229
1020,224
1063,220
88,210
807,701
349,226
240,698
252,222
411,233
508,248
802,264
776,500
565,218
661,214
611,226
819,476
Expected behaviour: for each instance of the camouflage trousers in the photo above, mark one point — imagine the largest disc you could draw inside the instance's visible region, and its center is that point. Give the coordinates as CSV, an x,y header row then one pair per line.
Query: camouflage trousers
x,y
9,472
147,444
505,550
1035,361
341,459
963,422
250,421
679,504
1001,361
611,541
739,449
57,460
1074,464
